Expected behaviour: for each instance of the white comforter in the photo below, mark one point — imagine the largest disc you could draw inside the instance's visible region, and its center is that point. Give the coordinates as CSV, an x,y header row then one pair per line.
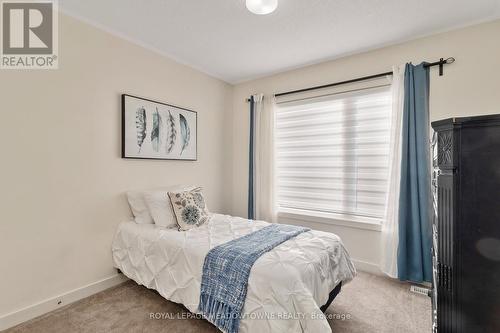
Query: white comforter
x,y
286,286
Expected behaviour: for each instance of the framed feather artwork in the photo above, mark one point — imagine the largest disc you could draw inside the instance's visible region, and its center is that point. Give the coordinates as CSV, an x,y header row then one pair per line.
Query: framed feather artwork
x,y
155,130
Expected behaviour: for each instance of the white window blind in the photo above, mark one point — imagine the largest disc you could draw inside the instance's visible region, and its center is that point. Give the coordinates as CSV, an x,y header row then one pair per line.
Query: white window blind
x,y
332,153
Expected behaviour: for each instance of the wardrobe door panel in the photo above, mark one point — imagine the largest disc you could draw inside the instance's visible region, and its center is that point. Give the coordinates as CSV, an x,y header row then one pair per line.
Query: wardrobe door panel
x,y
480,228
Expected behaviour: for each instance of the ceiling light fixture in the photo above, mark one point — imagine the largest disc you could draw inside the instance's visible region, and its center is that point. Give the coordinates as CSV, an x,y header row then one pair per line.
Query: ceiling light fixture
x,y
262,7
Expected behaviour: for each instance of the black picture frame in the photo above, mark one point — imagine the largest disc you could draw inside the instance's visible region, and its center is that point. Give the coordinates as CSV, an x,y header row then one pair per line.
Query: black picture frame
x,y
172,107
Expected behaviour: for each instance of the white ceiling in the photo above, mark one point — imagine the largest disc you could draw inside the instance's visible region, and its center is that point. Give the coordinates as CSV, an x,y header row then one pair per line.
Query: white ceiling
x,y
223,39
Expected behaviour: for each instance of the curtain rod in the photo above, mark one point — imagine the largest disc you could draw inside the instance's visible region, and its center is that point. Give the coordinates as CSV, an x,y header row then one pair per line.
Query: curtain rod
x,y
439,63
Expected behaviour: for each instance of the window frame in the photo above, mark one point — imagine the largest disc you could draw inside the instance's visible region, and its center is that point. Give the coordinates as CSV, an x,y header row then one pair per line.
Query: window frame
x,y
332,218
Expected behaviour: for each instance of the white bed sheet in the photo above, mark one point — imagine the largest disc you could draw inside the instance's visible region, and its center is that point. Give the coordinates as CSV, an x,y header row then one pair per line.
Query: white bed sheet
x,y
286,286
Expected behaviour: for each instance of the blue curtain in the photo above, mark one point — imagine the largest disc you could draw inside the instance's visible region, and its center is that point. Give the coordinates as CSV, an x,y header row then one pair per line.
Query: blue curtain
x,y
414,250
251,158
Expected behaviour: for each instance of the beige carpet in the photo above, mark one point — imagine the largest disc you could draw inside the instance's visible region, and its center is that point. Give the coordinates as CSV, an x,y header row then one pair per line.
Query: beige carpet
x,y
368,304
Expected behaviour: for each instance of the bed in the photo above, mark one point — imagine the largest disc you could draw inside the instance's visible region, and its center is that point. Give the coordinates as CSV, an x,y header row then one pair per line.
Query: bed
x,y
288,287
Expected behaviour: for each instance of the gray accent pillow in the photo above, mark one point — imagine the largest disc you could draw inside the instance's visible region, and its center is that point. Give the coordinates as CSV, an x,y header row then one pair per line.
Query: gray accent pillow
x,y
189,208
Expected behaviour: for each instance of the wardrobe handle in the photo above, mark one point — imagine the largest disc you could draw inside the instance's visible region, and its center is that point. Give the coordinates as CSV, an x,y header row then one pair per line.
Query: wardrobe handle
x,y
447,277
439,275
450,278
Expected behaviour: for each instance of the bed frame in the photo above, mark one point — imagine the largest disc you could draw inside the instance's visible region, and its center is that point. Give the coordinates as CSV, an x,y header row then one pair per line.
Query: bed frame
x,y
331,297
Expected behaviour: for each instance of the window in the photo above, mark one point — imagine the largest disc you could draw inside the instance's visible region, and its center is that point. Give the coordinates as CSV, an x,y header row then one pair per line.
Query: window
x,y
332,153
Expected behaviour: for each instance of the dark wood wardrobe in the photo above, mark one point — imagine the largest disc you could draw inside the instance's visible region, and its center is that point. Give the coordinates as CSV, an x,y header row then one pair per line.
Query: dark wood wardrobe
x,y
466,232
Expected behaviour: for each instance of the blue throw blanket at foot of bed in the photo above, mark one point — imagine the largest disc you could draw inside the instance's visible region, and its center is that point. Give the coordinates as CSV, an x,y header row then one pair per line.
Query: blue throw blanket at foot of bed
x,y
226,270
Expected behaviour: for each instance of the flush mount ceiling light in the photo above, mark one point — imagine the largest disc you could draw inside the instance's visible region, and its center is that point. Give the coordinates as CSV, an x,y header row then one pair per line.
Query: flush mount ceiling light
x,y
262,7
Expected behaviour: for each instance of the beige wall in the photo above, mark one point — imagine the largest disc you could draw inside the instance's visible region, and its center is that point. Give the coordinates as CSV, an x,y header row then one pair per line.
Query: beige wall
x,y
471,86
62,177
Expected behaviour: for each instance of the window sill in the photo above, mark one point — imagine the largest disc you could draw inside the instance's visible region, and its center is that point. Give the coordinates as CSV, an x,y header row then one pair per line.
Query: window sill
x,y
358,222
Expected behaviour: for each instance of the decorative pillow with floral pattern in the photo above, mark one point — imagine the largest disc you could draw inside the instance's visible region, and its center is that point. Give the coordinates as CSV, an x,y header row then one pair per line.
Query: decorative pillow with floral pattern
x,y
189,208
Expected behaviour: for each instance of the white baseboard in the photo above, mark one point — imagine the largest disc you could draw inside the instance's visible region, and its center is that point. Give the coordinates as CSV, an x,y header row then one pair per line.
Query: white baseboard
x,y
367,267
38,309
17,317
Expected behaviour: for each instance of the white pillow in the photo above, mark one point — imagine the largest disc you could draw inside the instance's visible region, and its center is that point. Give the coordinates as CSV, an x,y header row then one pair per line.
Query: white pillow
x,y
160,209
138,207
